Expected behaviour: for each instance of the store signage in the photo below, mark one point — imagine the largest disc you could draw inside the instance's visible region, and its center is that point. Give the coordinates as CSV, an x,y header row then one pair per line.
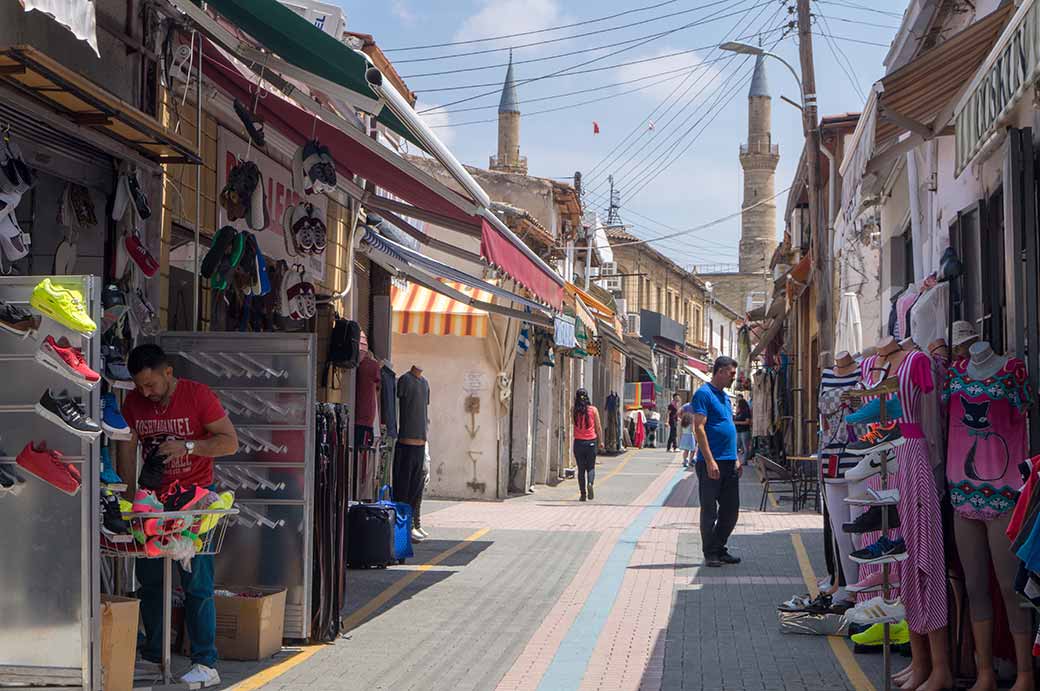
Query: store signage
x,y
474,381
277,180
998,86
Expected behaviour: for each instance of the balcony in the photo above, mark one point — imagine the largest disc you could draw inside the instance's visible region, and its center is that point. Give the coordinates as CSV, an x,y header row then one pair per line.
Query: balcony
x,y
655,325
518,166
774,149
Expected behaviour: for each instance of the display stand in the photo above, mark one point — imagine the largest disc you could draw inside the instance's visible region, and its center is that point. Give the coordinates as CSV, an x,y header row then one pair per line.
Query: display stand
x,y
888,387
49,572
266,383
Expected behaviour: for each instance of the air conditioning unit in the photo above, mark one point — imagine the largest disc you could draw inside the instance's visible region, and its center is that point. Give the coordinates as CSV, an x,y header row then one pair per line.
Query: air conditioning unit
x,y
611,284
632,322
328,17
607,268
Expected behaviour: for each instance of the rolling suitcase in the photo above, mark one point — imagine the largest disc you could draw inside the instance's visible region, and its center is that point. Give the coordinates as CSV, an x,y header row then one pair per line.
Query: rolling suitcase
x,y
370,536
402,523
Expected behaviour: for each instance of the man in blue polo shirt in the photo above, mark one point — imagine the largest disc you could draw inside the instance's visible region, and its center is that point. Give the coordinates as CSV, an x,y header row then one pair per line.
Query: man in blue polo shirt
x,y
718,468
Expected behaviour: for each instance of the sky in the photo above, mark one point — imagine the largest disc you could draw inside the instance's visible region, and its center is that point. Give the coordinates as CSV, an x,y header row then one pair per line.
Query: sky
x,y
671,109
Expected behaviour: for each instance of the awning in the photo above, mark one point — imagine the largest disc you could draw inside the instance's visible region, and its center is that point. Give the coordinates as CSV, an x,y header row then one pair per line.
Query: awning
x,y
563,331
771,332
595,306
381,251
85,103
77,17
696,373
502,253
700,366
670,350
585,317
302,44
421,311
640,354
918,98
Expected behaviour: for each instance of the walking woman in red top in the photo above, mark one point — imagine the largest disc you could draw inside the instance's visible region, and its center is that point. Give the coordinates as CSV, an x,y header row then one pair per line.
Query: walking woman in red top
x,y
588,432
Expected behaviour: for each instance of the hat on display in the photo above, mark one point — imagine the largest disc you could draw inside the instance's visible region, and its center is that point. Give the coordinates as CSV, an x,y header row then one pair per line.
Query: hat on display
x,y
963,333
936,345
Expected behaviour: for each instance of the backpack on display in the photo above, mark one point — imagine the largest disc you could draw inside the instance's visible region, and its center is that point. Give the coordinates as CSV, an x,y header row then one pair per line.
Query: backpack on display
x,y
344,347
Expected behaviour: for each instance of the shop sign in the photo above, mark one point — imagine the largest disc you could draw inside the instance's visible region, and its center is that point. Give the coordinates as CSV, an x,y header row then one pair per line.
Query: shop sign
x,y
474,381
278,181
997,86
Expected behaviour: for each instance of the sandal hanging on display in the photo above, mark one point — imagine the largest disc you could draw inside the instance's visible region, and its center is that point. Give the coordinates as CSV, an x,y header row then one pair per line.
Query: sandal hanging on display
x,y
222,241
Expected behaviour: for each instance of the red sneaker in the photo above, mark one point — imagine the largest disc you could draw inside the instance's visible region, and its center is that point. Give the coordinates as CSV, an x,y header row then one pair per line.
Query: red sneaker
x,y
48,466
140,254
67,360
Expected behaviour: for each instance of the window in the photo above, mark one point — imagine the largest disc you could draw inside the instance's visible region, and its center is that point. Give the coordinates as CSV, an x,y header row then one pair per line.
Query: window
x,y
908,256
711,333
977,235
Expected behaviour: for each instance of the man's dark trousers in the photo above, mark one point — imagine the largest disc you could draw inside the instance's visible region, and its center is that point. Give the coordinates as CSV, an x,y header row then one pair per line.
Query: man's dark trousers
x,y
720,505
673,429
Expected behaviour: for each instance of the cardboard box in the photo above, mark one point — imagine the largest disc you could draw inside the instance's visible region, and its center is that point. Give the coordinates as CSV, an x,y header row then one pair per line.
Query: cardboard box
x,y
118,642
250,628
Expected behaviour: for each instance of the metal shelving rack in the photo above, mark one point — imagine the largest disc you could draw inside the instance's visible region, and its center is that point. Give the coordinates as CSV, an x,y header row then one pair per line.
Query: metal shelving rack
x,y
886,388
267,384
50,598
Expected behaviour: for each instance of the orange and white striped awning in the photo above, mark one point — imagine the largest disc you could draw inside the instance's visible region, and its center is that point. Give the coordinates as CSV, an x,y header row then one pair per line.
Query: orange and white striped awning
x,y
419,310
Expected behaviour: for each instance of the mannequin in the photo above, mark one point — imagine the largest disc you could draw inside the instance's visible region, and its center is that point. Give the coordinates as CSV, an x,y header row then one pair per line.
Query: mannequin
x,y
922,575
366,403
987,439
413,396
835,381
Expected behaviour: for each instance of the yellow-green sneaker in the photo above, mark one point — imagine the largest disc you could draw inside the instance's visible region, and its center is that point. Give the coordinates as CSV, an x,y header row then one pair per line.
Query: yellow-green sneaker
x,y
898,634
63,305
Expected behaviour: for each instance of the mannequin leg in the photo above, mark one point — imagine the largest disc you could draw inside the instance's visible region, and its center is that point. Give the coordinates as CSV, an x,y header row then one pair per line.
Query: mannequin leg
x,y
1005,565
973,546
941,676
838,509
920,662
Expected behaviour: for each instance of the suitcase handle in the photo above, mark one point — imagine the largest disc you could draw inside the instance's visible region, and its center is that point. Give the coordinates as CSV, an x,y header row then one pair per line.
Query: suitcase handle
x,y
388,491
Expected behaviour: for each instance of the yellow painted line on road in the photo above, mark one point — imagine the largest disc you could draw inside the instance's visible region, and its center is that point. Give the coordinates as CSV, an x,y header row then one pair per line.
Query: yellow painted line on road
x,y
845,658
355,619
621,466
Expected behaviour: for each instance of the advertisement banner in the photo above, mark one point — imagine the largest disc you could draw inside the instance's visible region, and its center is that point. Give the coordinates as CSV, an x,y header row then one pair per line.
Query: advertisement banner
x,y
277,180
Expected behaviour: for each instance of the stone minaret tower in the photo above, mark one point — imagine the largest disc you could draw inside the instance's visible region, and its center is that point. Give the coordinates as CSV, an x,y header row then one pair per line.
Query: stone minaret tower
x,y
758,158
508,159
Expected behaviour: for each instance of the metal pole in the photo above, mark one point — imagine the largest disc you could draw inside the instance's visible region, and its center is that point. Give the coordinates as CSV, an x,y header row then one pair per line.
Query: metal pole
x,y
167,607
810,124
198,192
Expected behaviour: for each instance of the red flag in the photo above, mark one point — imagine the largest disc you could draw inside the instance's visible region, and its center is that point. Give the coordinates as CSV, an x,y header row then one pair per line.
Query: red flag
x,y
595,127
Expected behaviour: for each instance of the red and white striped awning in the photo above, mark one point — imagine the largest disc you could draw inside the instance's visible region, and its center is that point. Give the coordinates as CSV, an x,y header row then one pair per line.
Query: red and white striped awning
x,y
421,311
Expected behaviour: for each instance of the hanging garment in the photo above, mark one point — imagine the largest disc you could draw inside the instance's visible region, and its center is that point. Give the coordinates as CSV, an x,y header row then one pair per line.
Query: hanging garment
x,y
388,400
834,431
903,306
987,438
929,315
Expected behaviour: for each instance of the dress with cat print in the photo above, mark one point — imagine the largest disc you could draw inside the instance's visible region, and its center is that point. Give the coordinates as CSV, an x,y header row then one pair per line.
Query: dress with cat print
x,y
987,438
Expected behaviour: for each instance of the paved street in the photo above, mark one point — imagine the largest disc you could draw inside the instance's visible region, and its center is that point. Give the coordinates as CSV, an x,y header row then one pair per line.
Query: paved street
x,y
542,592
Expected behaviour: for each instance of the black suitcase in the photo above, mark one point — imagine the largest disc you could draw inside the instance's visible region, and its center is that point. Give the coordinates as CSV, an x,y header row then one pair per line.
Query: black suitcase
x,y
370,536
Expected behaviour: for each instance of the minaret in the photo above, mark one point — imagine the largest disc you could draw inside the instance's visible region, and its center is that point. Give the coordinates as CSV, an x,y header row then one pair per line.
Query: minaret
x,y
508,159
758,158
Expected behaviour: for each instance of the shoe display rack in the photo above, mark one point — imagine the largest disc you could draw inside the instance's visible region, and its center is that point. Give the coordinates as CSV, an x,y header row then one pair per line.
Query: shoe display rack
x,y
50,571
266,383
884,392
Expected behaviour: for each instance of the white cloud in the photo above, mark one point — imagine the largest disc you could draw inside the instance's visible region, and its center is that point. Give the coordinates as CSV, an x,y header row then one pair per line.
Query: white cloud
x,y
439,120
654,72
402,11
498,17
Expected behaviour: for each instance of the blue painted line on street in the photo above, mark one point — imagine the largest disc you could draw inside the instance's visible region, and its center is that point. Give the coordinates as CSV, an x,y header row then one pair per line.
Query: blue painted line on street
x,y
572,658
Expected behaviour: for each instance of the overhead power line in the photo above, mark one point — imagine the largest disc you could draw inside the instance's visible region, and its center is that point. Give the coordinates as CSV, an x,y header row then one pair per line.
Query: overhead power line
x,y
485,51
570,70
536,31
863,8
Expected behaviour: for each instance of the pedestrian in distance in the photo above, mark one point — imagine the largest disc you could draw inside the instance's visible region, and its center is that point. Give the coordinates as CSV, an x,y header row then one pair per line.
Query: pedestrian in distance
x,y
742,420
673,423
718,467
588,437
687,442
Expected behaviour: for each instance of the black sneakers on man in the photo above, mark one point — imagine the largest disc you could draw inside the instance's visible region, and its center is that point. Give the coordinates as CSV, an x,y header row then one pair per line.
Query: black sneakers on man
x,y
63,411
878,438
871,520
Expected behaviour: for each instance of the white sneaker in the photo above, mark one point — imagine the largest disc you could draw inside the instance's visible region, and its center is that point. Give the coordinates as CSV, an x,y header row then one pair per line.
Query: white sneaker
x,y
875,497
422,531
877,611
869,466
202,675
417,536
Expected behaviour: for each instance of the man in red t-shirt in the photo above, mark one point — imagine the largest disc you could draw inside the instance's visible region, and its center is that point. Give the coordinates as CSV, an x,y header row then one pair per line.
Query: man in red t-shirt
x,y
184,420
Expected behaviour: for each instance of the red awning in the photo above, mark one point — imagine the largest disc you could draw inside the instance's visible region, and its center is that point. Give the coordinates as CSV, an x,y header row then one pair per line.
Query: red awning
x,y
500,252
696,364
349,152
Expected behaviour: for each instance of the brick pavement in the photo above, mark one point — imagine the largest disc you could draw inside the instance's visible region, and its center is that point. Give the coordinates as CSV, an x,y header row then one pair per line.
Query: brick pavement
x,y
495,614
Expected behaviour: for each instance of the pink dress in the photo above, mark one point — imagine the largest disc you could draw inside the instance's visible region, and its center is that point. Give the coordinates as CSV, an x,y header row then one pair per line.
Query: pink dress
x,y
987,439
923,575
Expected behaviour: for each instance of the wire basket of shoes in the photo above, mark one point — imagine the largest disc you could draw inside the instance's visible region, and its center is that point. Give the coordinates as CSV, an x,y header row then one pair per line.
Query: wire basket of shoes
x,y
174,534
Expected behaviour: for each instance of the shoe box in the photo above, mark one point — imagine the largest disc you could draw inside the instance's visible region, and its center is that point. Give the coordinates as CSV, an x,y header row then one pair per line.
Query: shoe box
x,y
250,623
118,642
812,624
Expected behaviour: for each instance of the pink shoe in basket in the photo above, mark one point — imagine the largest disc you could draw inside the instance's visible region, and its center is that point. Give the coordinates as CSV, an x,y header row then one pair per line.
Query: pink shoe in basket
x,y
869,583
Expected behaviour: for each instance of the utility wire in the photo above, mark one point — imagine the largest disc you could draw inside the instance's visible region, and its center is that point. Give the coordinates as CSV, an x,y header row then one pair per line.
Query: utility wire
x,y
641,129
846,64
536,31
559,39
834,18
570,70
864,8
852,40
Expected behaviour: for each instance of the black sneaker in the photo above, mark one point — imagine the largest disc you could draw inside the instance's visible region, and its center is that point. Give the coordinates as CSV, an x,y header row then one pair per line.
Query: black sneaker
x,y
152,470
884,550
137,196
871,520
878,438
112,521
712,560
64,412
17,320
592,494
821,604
10,482
727,558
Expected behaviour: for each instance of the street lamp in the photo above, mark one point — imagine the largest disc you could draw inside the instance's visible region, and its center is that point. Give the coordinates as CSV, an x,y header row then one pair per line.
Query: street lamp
x,y
748,49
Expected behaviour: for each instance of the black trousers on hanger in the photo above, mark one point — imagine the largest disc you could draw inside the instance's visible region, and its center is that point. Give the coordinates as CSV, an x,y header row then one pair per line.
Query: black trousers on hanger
x,y
408,474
